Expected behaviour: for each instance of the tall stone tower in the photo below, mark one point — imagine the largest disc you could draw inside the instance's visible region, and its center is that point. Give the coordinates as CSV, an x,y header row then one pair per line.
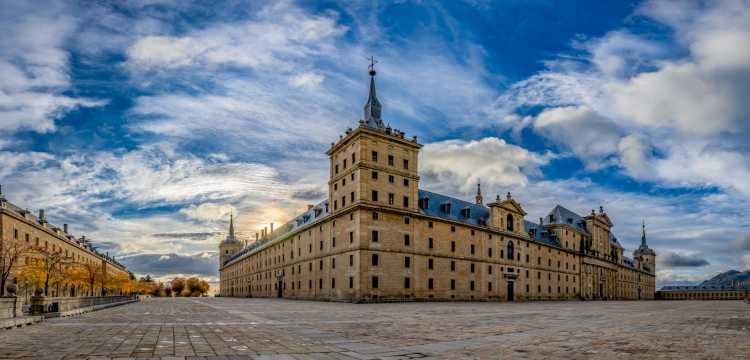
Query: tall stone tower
x,y
373,164
230,245
645,258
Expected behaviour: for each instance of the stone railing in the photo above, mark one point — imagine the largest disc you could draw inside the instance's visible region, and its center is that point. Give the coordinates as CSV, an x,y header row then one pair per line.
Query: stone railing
x,y
11,307
65,306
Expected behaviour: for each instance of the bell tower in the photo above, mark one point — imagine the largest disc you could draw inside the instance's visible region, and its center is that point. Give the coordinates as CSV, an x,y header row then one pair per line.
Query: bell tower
x,y
373,164
230,245
644,256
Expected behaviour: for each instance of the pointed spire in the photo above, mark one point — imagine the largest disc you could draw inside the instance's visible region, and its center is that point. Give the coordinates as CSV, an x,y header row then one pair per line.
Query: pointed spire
x,y
231,225
373,107
479,193
643,234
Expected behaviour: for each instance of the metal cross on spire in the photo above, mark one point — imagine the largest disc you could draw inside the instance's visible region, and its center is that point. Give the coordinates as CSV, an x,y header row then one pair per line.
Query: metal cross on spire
x,y
372,65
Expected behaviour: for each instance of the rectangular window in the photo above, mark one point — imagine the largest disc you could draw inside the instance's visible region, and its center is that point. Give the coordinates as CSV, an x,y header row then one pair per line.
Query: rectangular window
x,y
351,282
351,260
390,160
320,283
406,201
333,283
453,284
321,264
374,175
375,236
343,201
429,224
430,263
375,215
390,198
407,262
453,266
406,164
407,240
471,267
430,284
471,285
354,158
351,196
15,234
472,249
391,179
406,182
489,269
407,220
333,263
337,168
407,283
333,242
453,246
344,164
374,156
429,243
489,252
375,259
489,286
351,237
374,196
375,282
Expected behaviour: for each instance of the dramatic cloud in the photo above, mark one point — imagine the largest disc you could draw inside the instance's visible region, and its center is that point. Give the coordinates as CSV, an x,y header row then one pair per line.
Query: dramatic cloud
x,y
202,264
492,160
673,260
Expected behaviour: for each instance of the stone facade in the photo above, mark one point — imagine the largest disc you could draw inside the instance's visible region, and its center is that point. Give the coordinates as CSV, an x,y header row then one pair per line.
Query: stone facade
x,y
33,234
702,293
378,237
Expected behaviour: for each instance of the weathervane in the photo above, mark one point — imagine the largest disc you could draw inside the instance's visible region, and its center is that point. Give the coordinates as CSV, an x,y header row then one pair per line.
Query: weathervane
x,y
372,65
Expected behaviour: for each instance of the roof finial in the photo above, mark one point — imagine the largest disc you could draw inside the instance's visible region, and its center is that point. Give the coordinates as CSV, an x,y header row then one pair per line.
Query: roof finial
x,y
373,107
479,198
231,224
643,233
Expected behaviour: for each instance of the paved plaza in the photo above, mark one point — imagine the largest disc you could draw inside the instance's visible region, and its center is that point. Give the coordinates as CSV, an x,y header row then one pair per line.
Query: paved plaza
x,y
223,328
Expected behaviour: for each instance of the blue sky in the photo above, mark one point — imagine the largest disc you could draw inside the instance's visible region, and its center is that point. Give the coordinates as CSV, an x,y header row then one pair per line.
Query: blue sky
x,y
145,124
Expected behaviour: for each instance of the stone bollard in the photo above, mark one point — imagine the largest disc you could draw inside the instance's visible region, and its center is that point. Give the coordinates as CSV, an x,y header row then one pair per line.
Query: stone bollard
x,y
37,305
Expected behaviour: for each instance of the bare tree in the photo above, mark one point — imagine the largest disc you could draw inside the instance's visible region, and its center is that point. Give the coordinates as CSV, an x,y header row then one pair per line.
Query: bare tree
x,y
10,256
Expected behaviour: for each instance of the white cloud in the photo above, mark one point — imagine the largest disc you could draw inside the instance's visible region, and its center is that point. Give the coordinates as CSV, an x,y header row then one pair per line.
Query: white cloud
x,y
306,79
579,129
492,160
35,68
209,211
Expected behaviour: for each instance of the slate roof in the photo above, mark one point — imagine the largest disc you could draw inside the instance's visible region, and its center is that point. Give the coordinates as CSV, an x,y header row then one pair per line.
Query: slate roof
x,y
446,207
561,215
540,234
698,287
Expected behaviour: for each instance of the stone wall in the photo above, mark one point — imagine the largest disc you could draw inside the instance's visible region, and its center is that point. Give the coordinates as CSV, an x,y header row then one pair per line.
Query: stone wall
x,y
64,306
10,307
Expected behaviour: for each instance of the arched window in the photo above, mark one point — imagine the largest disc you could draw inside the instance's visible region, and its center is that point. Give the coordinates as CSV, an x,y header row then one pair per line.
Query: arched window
x,y
509,222
510,250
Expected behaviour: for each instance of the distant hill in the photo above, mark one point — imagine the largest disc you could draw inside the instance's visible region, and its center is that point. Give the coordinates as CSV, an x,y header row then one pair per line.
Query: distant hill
x,y
727,278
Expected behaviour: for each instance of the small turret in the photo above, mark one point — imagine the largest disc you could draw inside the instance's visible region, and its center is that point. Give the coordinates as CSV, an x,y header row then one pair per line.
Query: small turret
x,y
479,194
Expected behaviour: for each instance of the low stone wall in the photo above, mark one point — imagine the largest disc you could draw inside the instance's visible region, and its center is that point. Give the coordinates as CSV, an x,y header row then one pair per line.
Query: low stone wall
x,y
11,307
66,306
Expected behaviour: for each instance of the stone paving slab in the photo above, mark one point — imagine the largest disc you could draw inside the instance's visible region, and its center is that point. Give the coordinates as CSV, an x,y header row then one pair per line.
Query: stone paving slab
x,y
224,328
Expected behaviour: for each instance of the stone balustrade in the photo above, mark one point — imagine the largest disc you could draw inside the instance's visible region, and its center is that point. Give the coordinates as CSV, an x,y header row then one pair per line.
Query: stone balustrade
x,y
11,307
66,306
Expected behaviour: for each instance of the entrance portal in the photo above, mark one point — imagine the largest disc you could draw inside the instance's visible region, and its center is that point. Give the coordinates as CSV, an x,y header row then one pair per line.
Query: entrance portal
x,y
279,289
510,291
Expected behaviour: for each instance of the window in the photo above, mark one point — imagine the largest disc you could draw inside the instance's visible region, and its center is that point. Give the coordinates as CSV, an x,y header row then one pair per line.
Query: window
x,y
453,228
406,201
333,263
471,267
429,224
453,246
472,249
390,198
375,215
321,245
351,282
453,284
429,243
406,182
15,234
391,179
406,164
343,201
390,160
510,250
407,220
374,156
321,264
407,283
375,259
407,240
354,157
333,283
320,283
344,164
374,175
351,196
335,204
333,242
430,263
374,196
351,237
407,262
374,282
471,285
489,269
337,168
509,222
453,265
489,286
430,284
351,260
375,236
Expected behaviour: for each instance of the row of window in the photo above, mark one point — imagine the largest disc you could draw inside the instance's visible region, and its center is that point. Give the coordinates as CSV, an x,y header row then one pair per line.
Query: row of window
x,y
374,158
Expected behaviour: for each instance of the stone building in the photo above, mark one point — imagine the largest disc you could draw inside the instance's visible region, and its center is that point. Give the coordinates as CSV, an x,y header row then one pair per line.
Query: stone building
x,y
380,237
703,293
33,238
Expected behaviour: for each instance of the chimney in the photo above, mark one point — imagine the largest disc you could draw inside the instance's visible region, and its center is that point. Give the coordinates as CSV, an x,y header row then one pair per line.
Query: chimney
x,y
65,228
256,237
265,231
271,228
41,216
601,209
541,221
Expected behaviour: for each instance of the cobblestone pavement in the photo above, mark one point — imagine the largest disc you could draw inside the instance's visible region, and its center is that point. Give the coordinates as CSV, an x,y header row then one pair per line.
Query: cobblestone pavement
x,y
224,328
